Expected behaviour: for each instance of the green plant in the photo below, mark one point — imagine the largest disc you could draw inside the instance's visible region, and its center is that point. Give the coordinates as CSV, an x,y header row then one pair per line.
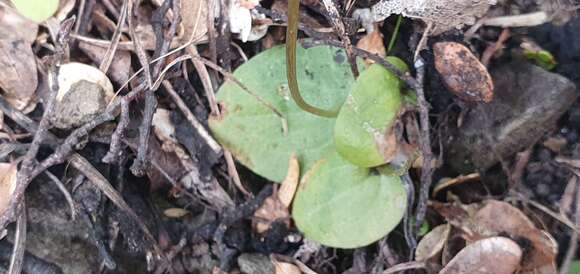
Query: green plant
x,y
344,199
542,58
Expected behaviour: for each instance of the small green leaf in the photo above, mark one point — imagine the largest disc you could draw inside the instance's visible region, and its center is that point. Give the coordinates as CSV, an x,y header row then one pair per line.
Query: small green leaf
x,y
424,229
254,134
344,206
363,125
36,10
542,58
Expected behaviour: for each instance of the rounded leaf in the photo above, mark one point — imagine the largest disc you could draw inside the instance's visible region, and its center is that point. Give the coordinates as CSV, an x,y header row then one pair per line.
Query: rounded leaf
x,y
432,243
344,206
255,134
36,10
496,255
362,133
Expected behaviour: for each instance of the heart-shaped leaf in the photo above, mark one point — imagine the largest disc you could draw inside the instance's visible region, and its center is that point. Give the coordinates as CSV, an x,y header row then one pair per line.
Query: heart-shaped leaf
x,y
345,206
362,133
254,133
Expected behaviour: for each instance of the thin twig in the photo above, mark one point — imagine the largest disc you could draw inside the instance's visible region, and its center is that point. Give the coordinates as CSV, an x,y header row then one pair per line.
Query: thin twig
x,y
232,78
114,152
404,76
141,54
205,80
140,162
24,176
425,144
64,192
80,163
210,141
571,252
163,43
17,259
339,28
108,58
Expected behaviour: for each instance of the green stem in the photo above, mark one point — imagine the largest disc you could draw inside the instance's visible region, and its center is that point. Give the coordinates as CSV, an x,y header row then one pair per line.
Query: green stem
x,y
291,37
395,33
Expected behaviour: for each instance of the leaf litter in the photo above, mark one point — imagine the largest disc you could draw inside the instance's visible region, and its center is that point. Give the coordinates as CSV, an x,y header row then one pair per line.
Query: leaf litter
x,y
206,217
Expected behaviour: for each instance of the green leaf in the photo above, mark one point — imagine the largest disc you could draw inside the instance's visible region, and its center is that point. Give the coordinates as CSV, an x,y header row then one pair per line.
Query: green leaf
x,y
575,267
36,10
364,122
344,206
542,58
254,133
338,204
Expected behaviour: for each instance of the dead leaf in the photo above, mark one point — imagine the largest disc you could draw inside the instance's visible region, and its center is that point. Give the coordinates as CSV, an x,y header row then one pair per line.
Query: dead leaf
x,y
432,243
516,225
120,69
496,255
373,43
290,183
448,182
276,206
270,211
145,35
164,129
175,212
457,215
17,62
285,268
555,144
194,14
444,14
8,173
462,73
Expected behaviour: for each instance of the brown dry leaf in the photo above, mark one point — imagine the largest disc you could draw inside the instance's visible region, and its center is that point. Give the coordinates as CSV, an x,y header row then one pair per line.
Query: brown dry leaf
x,y
290,183
17,62
516,225
448,182
496,255
432,243
458,215
373,43
120,69
194,14
555,144
285,268
175,212
145,35
276,206
164,129
462,73
444,14
7,184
